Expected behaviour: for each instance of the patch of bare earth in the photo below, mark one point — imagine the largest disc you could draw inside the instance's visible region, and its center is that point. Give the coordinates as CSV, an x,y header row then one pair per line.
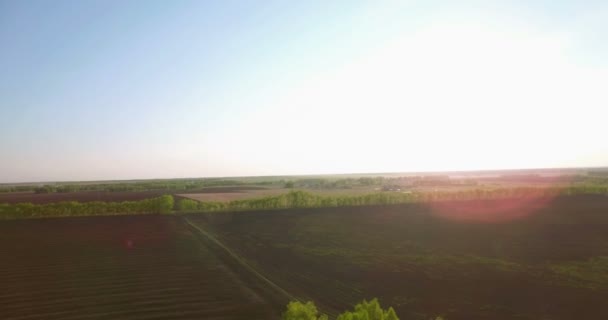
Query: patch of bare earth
x,y
128,267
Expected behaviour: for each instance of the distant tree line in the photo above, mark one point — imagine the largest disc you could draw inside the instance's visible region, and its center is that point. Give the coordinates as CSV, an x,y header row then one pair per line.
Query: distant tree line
x,y
20,188
151,185
295,199
292,199
185,185
339,183
193,184
158,205
302,199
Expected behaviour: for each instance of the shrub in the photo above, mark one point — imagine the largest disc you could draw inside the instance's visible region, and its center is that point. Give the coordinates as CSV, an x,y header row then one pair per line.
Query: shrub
x,y
363,311
187,205
369,311
302,311
163,204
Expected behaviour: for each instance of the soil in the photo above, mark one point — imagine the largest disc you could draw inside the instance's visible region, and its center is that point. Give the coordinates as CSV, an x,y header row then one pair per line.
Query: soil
x,y
128,267
538,259
425,263
88,196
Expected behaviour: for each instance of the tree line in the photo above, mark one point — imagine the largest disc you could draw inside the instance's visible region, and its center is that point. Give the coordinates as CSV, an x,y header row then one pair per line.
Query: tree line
x,y
193,184
148,185
159,205
295,199
302,199
292,199
336,183
299,183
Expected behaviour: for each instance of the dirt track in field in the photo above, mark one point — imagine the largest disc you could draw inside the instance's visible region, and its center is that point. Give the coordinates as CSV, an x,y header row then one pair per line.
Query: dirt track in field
x,y
129,267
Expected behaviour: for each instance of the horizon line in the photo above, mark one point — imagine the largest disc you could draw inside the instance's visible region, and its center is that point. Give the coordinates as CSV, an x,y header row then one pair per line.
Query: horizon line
x,y
429,172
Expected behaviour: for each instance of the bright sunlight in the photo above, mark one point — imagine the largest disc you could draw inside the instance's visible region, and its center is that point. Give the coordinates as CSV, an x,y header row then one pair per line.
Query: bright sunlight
x,y
460,95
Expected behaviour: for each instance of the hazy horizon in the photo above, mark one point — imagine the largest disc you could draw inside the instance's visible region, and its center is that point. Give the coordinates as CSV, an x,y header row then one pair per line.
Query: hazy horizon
x,y
109,90
487,172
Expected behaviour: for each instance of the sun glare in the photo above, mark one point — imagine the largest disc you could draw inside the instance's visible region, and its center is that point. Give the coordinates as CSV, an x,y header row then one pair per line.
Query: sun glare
x,y
455,96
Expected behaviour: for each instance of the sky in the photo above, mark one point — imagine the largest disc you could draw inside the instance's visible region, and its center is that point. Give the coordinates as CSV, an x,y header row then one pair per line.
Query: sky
x,y
103,90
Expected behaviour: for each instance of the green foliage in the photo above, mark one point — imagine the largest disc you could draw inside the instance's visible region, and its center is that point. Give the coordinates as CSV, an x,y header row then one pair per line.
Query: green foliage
x,y
301,199
45,189
343,183
159,205
187,205
363,311
589,184
302,311
193,184
146,185
369,311
165,204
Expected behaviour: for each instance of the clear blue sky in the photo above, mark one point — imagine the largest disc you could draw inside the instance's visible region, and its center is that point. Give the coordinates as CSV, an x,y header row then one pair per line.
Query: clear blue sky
x,y
158,89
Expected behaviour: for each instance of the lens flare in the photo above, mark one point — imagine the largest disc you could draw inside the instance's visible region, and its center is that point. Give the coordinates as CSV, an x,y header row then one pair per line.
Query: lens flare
x,y
496,207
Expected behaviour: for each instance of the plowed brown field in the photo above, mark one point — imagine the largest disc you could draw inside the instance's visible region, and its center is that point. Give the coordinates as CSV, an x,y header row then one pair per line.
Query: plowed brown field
x,y
546,259
142,267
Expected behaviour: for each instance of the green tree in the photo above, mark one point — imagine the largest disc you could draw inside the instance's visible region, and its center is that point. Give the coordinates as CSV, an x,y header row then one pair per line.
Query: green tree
x,y
363,311
165,204
302,311
187,205
369,311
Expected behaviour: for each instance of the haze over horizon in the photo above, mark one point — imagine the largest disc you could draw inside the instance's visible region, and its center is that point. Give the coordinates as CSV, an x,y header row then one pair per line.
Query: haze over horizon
x,y
489,172
111,90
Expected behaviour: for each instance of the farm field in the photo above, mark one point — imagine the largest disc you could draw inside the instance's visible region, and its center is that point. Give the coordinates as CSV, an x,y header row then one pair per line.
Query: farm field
x,y
550,261
128,267
253,193
233,194
89,196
